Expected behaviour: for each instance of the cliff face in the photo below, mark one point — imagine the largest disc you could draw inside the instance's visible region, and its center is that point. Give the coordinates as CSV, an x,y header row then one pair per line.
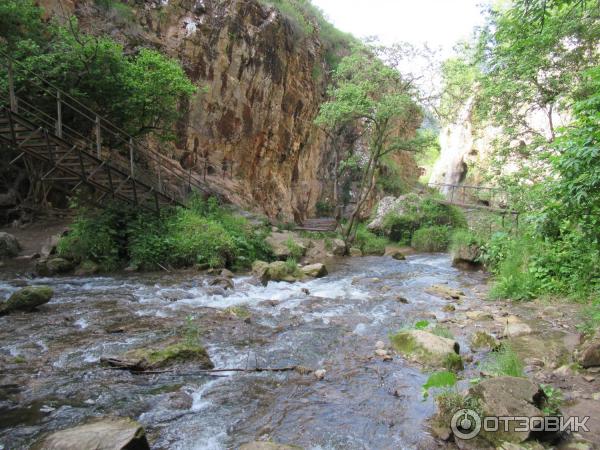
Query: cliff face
x,y
250,129
249,132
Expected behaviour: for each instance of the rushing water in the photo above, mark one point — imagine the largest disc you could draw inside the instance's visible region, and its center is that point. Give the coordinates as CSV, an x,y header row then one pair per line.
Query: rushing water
x,y
51,377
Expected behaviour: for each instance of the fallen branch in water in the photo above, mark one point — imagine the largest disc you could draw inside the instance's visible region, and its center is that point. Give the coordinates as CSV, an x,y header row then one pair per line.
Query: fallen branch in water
x,y
116,364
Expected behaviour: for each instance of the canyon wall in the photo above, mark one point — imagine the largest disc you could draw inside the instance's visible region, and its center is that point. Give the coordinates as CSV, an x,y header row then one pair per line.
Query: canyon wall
x,y
250,130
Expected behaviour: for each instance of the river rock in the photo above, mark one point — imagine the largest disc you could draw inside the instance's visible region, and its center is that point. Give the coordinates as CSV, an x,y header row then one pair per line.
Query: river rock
x,y
398,255
258,445
424,347
9,246
260,270
480,340
314,270
104,434
508,396
27,299
590,353
280,243
222,282
338,247
479,315
445,292
355,252
515,327
280,271
320,374
53,266
167,355
87,268
466,254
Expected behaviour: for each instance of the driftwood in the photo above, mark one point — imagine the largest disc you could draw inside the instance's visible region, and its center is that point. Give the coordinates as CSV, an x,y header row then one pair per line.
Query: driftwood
x,y
136,368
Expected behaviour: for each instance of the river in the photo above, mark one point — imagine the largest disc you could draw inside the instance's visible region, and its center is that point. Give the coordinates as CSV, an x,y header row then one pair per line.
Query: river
x,y
51,376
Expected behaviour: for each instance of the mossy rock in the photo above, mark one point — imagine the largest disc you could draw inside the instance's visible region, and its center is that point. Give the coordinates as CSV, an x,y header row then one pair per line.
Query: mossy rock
x,y
280,271
180,352
480,340
27,299
314,270
426,348
53,266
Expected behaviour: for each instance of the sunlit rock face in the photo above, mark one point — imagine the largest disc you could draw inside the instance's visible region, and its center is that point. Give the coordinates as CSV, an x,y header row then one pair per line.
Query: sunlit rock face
x,y
469,154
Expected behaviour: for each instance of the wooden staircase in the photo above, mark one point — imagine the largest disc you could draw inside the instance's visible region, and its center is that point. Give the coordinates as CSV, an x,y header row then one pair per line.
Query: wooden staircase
x,y
72,165
82,149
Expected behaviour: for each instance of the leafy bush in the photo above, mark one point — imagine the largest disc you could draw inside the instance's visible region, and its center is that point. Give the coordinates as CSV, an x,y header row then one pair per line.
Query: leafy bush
x,y
202,234
421,213
95,236
431,239
369,243
439,380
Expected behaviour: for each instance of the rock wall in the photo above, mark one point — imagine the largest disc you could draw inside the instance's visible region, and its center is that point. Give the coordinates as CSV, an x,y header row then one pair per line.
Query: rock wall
x,y
250,129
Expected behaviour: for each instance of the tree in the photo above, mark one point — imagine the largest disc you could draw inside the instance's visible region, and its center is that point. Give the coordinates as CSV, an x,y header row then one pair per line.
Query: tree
x,y
374,97
19,19
533,55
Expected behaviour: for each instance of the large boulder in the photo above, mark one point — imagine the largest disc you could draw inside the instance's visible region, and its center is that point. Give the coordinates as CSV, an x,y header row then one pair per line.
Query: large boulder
x,y
280,271
590,353
104,434
9,246
53,266
314,270
285,244
512,397
27,299
386,206
426,348
338,247
466,254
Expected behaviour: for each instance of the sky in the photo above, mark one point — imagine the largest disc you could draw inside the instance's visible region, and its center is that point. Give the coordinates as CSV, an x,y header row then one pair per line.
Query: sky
x,y
441,23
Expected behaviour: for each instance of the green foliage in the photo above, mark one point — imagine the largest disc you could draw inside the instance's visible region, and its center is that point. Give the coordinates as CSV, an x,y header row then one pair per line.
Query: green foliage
x,y
439,380
369,243
191,332
202,234
421,325
503,362
19,19
307,19
442,331
296,251
453,362
431,239
418,213
140,91
96,236
553,400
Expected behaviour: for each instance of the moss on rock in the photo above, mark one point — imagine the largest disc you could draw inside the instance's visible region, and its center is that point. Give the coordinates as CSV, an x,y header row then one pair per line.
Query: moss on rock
x,y
27,299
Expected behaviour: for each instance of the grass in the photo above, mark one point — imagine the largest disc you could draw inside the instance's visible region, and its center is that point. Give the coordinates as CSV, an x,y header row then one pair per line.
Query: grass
x,y
503,362
442,331
369,243
431,239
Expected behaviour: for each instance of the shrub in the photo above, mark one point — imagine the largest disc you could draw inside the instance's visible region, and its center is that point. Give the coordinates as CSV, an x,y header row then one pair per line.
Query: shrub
x,y
96,236
421,213
431,239
369,243
204,233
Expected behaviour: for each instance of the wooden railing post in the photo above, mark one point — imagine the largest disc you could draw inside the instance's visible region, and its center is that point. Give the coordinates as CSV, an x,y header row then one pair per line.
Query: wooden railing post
x,y
131,157
98,138
11,87
59,124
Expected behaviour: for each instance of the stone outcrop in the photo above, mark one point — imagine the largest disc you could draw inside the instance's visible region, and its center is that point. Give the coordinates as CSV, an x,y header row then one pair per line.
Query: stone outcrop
x,y
426,348
27,299
104,434
9,246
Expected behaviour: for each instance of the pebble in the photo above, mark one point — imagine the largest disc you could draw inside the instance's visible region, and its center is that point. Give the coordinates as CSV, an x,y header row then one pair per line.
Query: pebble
x,y
320,374
596,396
589,378
380,345
381,352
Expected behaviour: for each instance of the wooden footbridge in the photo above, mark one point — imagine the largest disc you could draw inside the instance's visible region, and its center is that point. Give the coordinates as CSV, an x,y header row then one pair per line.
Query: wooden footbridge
x,y
72,147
